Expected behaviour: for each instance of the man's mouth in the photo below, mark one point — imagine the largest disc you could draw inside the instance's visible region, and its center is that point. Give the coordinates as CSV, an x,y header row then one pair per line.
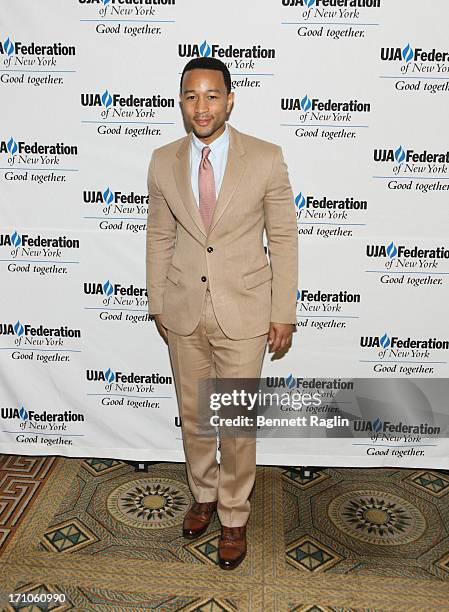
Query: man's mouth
x,y
202,122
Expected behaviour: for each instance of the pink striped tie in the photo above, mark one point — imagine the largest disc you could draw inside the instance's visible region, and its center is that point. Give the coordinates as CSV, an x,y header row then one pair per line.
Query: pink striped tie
x,y
206,188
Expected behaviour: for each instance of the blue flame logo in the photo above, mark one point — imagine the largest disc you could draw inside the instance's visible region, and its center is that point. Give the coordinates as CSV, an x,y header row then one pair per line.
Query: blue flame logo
x,y
298,295
309,3
109,375
105,2
19,329
291,381
385,341
106,98
23,414
108,288
8,46
12,145
16,239
392,250
407,53
300,201
377,425
205,49
399,155
305,103
108,196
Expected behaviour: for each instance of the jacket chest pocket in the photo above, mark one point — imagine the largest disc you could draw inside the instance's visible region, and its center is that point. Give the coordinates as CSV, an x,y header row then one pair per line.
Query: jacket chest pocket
x,y
254,279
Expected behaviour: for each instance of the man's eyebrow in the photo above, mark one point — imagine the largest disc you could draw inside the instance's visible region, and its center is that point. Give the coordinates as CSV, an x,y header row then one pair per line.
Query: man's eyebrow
x,y
194,91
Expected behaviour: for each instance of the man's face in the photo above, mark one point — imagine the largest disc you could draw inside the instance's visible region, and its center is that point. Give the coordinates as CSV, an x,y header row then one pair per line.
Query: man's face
x,y
205,103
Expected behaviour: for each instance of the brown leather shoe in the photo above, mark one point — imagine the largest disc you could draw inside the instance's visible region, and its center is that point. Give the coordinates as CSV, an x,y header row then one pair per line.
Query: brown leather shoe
x,y
197,519
231,547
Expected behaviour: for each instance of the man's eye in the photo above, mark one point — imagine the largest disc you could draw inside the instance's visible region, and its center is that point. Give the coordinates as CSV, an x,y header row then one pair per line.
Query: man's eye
x,y
212,97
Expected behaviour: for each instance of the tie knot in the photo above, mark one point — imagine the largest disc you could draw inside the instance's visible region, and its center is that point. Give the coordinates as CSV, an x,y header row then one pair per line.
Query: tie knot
x,y
204,153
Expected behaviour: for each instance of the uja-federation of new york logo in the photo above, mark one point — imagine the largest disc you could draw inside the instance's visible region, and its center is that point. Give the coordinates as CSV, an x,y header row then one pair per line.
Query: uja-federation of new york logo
x,y
45,162
405,355
35,153
320,309
411,265
121,389
40,342
417,169
112,301
24,252
324,390
335,9
42,426
334,19
34,63
324,117
325,301
127,114
423,69
327,216
248,65
128,17
115,210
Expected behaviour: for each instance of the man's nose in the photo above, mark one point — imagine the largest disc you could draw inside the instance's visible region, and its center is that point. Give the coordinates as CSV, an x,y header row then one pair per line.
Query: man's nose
x,y
201,104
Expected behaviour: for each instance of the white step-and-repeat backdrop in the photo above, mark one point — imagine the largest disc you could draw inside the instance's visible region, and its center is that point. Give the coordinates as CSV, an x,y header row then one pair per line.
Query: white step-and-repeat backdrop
x,y
356,93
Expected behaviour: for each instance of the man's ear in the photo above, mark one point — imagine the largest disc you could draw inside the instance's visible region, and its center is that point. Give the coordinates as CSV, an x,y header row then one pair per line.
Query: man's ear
x,y
230,102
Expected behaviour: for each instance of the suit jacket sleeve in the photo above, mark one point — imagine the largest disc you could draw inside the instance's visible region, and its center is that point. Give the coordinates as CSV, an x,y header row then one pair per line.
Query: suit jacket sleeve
x,y
161,238
282,235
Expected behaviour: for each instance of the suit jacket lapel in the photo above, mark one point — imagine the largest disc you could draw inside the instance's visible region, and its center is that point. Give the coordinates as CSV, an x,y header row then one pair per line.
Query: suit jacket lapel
x,y
235,168
184,184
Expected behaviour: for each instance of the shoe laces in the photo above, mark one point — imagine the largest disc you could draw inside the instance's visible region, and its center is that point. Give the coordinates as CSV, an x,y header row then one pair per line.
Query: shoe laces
x,y
231,533
201,507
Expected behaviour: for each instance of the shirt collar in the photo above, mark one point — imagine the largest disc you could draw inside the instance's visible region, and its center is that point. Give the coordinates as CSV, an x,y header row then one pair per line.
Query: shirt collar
x,y
215,145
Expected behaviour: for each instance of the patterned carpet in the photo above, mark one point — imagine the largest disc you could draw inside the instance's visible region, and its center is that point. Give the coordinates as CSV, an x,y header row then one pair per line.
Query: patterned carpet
x,y
108,538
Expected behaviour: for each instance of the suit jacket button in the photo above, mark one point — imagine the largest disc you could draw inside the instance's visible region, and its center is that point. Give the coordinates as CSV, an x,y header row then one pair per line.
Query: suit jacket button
x,y
210,249
204,279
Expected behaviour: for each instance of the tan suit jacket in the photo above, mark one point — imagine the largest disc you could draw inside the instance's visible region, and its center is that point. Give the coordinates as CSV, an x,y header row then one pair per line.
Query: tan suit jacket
x,y
247,290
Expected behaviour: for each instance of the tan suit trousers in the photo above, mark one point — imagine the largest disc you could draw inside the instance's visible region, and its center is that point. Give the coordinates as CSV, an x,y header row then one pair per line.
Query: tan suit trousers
x,y
205,353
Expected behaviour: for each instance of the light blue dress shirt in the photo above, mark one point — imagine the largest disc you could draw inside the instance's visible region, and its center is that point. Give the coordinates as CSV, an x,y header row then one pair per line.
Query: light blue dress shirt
x,y
218,157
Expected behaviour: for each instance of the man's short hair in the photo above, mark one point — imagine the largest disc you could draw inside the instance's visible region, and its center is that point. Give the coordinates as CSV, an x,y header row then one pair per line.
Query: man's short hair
x,y
208,63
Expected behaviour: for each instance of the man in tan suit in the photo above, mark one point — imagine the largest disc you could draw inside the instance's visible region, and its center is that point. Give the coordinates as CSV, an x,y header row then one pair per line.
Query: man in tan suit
x,y
215,297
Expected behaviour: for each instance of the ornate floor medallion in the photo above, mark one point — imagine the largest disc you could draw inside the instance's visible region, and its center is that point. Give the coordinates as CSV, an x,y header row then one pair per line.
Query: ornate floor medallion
x,y
149,503
377,517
